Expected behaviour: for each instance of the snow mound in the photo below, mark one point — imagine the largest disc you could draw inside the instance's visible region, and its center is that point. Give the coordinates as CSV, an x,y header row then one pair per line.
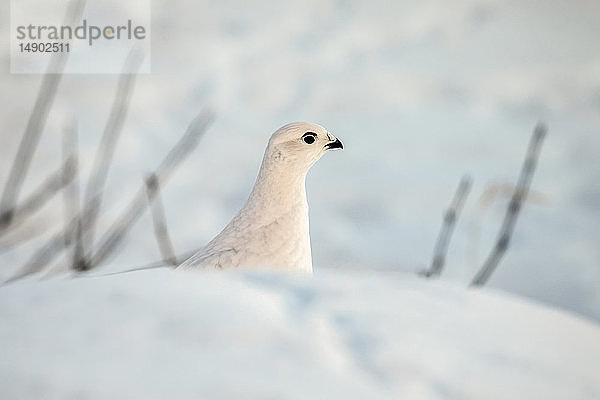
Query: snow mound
x,y
164,334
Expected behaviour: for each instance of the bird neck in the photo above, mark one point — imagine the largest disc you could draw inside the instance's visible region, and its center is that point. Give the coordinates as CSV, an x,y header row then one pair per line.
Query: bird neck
x,y
279,189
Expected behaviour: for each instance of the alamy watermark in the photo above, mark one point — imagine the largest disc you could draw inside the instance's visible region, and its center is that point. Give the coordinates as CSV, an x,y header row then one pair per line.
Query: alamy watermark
x,y
86,38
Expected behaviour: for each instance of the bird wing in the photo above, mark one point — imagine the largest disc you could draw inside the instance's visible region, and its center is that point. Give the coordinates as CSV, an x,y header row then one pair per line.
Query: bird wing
x,y
210,259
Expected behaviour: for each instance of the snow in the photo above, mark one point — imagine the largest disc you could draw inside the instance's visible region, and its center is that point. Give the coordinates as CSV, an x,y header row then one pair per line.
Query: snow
x,y
447,88
166,334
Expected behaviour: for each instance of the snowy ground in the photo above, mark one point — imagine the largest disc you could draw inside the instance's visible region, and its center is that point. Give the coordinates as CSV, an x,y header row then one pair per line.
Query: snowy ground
x,y
419,92
161,334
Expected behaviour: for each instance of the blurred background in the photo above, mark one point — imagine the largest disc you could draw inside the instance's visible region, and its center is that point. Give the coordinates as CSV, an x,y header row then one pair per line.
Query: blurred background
x,y
420,93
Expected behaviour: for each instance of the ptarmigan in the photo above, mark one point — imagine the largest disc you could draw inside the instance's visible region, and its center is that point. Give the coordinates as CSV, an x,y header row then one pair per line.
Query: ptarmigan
x,y
271,229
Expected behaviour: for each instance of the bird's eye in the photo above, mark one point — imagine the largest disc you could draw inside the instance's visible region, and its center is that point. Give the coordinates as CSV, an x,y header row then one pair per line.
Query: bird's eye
x,y
309,137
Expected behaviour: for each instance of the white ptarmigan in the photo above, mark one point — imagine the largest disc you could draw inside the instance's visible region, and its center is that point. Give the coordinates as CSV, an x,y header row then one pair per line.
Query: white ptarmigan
x,y
272,228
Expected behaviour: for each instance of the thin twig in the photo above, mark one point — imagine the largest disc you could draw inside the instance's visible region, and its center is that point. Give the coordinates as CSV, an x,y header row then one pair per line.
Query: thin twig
x,y
115,234
43,256
159,221
40,196
28,231
108,143
490,194
450,217
512,212
35,124
72,193
125,222
153,265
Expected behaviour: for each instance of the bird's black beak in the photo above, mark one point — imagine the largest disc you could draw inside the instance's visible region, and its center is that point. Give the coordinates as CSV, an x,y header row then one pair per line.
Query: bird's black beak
x,y
334,145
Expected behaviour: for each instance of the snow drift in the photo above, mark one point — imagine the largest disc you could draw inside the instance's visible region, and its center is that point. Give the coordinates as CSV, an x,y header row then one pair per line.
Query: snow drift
x,y
163,334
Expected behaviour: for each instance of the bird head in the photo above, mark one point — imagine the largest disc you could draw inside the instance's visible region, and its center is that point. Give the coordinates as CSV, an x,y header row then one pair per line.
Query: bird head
x,y
301,143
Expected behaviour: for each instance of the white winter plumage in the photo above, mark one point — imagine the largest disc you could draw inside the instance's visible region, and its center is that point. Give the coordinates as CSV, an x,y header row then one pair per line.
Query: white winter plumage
x,y
272,228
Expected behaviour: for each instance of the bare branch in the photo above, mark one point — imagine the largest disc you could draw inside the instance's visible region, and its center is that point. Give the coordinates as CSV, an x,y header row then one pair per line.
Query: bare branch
x,y
43,256
490,194
125,222
56,181
154,265
450,217
159,221
35,124
512,212
29,230
72,195
71,192
40,196
115,234
108,143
